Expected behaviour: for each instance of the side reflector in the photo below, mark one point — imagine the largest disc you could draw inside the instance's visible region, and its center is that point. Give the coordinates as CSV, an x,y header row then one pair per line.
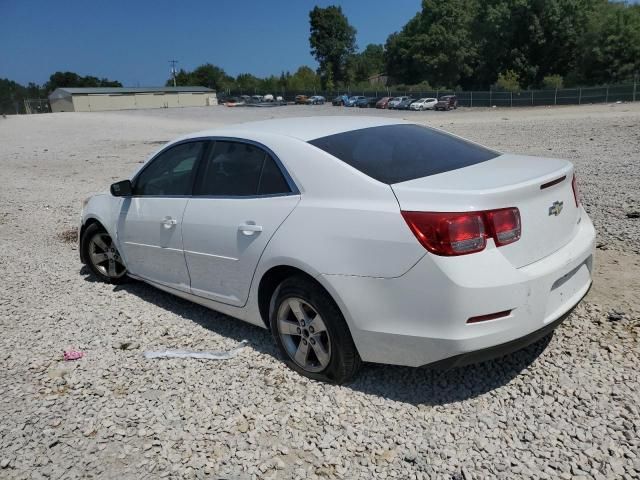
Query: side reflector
x,y
491,316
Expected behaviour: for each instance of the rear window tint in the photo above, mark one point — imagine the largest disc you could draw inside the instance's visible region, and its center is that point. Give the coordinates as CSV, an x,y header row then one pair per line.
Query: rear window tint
x,y
397,153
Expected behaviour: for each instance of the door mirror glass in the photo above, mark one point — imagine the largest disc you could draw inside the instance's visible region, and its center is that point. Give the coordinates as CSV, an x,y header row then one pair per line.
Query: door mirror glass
x,y
121,189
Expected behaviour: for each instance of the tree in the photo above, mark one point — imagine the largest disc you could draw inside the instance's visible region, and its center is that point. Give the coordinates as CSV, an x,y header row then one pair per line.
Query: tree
x,y
206,75
610,45
553,81
436,45
508,81
247,83
366,63
72,79
332,41
303,79
531,37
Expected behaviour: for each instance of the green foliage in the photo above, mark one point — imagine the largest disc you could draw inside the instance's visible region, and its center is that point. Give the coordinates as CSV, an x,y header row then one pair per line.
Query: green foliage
x,y
553,81
303,79
469,42
508,81
206,75
332,41
609,50
12,94
435,46
72,79
360,66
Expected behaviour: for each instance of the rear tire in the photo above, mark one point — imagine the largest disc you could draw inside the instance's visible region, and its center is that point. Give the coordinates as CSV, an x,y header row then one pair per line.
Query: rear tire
x,y
101,255
311,332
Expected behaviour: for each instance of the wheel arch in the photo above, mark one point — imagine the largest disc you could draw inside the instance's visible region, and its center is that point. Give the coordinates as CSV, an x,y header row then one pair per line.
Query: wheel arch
x,y
274,276
86,224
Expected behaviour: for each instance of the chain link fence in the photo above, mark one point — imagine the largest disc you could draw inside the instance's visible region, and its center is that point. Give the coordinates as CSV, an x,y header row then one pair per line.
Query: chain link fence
x,y
490,98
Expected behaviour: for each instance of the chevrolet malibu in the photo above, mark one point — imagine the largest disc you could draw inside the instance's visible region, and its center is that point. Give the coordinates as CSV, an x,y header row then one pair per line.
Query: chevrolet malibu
x,y
352,239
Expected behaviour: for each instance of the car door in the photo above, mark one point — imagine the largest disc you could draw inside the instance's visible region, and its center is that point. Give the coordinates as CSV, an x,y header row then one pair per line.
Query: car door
x,y
241,197
150,221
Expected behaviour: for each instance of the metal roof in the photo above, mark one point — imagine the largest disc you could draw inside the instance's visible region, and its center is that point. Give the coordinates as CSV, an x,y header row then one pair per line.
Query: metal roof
x,y
116,90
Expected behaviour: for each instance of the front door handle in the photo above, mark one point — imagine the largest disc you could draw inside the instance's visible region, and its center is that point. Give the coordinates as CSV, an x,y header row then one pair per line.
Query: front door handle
x,y
169,222
249,228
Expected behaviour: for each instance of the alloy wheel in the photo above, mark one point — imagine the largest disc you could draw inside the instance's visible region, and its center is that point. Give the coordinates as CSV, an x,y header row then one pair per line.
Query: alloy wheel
x,y
304,334
105,257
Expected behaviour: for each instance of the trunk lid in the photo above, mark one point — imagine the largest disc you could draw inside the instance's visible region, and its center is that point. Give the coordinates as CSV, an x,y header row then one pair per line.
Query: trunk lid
x,y
548,213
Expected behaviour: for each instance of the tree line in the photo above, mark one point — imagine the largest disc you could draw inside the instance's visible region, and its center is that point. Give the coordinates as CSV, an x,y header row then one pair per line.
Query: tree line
x,y
449,44
12,94
464,45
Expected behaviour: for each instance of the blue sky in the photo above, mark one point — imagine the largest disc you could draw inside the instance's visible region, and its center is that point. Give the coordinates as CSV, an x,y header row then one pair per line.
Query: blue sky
x,y
132,41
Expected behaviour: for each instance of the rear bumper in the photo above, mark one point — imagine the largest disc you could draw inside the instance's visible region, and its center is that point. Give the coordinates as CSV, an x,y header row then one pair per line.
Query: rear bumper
x,y
421,317
501,350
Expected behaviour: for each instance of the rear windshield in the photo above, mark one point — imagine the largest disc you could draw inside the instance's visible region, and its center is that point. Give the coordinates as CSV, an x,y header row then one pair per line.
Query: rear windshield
x,y
397,153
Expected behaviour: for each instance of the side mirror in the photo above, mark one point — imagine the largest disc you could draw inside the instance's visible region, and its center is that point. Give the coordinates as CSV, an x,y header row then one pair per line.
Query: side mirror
x,y
122,189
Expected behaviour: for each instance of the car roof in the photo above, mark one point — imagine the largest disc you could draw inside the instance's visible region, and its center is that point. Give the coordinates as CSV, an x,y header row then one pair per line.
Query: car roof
x,y
302,128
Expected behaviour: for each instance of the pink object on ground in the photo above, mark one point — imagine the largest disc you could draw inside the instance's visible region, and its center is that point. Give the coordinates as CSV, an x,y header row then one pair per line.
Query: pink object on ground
x,y
73,355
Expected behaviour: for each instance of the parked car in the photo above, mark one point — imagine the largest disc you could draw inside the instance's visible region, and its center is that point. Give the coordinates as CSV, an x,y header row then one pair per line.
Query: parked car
x,y
367,102
362,240
383,102
405,104
351,102
234,102
340,100
424,104
267,98
316,100
395,101
447,102
301,99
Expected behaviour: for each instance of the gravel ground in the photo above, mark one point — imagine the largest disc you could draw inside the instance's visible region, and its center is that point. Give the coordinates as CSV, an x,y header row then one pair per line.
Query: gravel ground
x,y
567,407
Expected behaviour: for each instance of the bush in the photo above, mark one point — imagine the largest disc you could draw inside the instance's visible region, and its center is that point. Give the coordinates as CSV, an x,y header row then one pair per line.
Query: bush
x,y
553,81
508,81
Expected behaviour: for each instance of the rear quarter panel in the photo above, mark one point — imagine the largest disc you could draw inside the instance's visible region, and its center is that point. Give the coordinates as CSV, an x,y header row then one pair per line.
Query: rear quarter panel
x,y
346,223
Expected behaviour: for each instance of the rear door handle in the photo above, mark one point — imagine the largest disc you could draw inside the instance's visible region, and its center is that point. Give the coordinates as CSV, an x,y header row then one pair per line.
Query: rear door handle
x,y
249,228
169,222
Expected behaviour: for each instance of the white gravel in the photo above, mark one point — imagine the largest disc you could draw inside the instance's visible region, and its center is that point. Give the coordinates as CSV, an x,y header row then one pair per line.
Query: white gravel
x,y
565,408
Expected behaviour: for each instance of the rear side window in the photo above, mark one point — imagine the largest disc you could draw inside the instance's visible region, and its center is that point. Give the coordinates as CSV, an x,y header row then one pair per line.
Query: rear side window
x,y
236,169
398,153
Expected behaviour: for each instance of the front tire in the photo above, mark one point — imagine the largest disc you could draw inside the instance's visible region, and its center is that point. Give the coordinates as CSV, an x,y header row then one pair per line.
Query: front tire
x,y
311,332
102,256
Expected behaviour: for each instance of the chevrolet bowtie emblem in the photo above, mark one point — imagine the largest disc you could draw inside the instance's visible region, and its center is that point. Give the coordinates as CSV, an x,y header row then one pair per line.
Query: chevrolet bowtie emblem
x,y
556,208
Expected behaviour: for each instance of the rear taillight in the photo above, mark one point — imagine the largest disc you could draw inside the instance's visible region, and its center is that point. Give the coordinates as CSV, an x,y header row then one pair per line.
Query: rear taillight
x,y
461,233
574,186
505,225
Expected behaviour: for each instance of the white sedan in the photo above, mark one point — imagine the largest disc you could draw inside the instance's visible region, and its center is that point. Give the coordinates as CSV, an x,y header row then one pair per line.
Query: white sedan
x,y
353,239
423,104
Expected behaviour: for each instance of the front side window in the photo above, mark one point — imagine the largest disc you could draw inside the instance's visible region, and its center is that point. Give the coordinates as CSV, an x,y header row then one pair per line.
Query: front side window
x,y
171,172
235,169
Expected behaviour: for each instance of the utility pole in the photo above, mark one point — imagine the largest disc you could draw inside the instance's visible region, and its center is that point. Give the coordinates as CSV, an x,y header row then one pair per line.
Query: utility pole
x,y
173,70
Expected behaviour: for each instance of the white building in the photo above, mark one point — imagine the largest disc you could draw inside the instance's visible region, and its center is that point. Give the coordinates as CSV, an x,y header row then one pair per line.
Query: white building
x,y
125,98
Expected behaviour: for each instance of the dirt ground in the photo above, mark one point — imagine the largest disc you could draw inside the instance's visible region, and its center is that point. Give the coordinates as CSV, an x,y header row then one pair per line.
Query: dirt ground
x,y
566,408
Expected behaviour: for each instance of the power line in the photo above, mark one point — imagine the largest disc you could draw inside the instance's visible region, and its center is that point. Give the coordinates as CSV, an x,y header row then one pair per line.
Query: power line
x,y
173,70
